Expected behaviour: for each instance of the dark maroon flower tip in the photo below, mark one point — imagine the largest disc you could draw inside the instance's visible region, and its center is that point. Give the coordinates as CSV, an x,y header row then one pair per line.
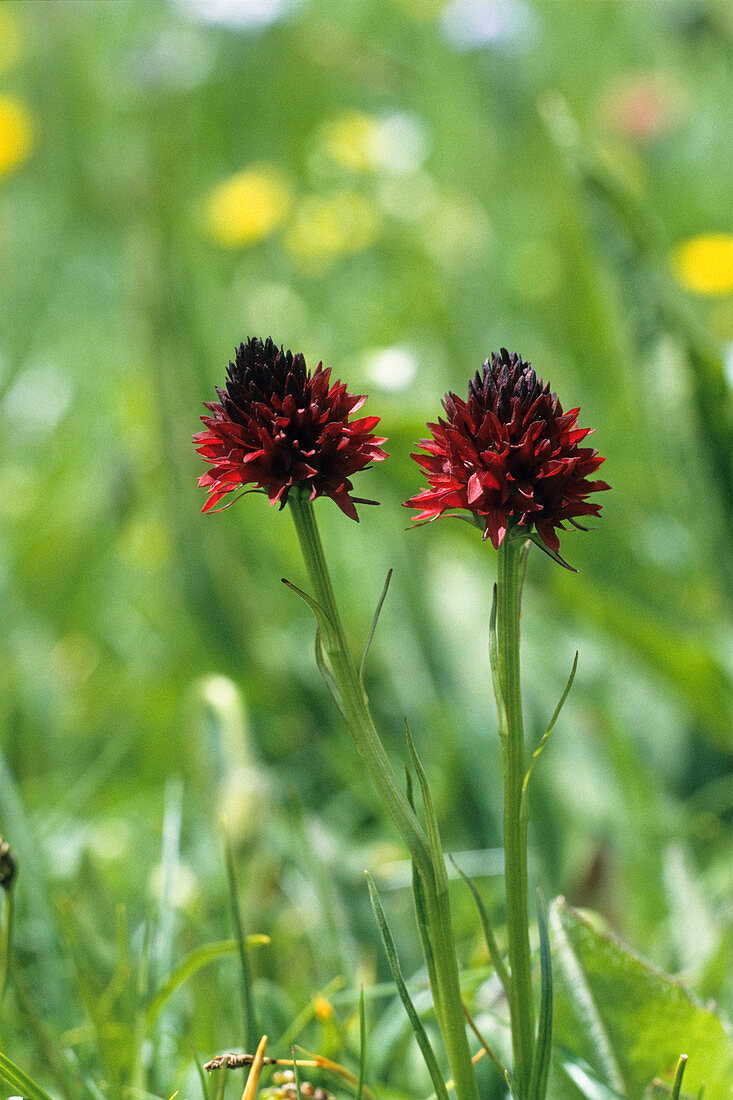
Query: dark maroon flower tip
x,y
510,455
276,425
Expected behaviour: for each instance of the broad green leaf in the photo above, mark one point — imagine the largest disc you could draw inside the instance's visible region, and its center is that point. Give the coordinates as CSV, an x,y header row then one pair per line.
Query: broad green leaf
x,y
628,1021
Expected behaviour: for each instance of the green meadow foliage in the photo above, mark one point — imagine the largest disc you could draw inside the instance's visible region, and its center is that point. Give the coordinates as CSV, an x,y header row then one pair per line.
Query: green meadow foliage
x,y
395,187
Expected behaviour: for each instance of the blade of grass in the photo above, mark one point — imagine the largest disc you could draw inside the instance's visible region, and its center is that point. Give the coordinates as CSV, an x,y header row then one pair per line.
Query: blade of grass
x,y
362,1047
15,1077
375,620
488,929
431,820
524,809
249,1022
493,1056
202,1077
679,1074
543,1048
421,915
511,1085
417,1026
296,1074
6,939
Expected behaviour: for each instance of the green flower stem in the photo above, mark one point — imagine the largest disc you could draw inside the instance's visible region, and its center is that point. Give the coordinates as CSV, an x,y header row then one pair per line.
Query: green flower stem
x,y
511,728
355,708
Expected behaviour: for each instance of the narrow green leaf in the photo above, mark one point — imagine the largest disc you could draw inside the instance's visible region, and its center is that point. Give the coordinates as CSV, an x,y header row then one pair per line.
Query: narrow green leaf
x,y
296,1074
524,809
318,610
327,674
375,620
494,664
323,622
679,1074
496,956
493,1056
202,1077
362,1047
421,915
6,936
511,1085
535,538
417,1026
543,1047
431,820
20,1081
249,1022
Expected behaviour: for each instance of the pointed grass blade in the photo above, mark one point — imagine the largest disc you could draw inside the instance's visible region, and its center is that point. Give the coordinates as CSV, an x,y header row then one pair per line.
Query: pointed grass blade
x,y
524,808
362,1047
543,1047
431,820
494,664
428,1054
488,929
15,1077
375,620
296,1075
485,1045
323,623
679,1074
511,1085
421,912
249,1021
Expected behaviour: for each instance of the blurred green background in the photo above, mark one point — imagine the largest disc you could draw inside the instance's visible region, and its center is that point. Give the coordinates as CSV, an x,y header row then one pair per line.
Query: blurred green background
x,y
395,187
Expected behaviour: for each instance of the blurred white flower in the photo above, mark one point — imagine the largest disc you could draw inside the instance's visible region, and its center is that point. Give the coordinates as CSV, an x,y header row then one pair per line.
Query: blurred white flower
x,y
360,142
471,24
391,368
236,14
38,398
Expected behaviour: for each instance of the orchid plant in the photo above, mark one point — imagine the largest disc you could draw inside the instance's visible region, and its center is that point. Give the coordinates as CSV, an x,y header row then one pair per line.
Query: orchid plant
x,y
508,459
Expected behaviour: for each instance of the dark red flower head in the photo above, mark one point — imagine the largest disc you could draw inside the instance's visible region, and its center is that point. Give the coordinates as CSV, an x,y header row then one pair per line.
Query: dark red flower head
x,y
509,455
276,426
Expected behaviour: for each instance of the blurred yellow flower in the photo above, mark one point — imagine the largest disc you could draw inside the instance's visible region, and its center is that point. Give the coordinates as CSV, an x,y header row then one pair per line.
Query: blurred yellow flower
x,y
704,264
16,133
9,37
325,227
249,206
323,1009
350,139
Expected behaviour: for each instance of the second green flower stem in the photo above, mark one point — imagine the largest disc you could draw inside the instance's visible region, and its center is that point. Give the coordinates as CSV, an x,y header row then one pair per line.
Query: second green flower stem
x,y
511,729
355,709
